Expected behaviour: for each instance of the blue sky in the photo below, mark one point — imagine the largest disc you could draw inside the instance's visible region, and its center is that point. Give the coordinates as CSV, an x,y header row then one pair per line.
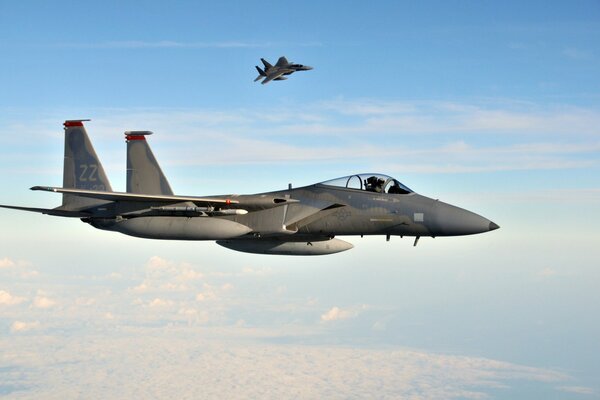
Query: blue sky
x,y
492,107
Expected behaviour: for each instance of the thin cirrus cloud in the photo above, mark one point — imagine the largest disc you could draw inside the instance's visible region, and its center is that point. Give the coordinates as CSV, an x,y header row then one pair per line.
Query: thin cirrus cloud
x,y
461,130
583,390
171,44
532,137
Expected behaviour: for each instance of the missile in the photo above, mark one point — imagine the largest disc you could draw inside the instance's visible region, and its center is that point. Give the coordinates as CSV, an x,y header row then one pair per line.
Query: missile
x,y
210,211
235,211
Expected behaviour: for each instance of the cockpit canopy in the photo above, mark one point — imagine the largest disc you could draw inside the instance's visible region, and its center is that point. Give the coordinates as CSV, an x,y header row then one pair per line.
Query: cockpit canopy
x,y
377,183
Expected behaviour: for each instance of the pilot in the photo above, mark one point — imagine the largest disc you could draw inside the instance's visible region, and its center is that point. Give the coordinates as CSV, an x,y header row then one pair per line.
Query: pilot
x,y
369,184
374,184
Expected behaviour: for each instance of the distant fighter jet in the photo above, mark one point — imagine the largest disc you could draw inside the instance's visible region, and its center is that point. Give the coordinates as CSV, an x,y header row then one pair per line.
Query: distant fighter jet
x,y
276,72
302,221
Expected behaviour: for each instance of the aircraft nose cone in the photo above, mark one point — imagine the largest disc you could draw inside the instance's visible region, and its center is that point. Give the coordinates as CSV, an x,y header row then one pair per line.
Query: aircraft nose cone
x,y
452,220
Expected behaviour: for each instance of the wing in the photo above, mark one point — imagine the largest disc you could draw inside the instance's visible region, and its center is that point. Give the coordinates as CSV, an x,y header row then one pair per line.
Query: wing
x,y
272,76
247,202
307,215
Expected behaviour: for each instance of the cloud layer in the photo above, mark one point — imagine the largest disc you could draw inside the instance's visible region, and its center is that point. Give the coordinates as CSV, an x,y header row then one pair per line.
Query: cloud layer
x,y
159,363
176,327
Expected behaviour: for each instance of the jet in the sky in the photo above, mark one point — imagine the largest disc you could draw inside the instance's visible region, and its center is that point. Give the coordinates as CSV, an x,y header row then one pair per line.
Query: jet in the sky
x,y
276,72
299,221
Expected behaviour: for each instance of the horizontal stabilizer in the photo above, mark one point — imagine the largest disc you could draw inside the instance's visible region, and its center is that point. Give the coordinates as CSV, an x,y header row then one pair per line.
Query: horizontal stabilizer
x,y
50,211
261,74
120,196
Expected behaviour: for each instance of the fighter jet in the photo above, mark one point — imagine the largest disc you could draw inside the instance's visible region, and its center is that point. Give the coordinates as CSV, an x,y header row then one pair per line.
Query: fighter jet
x,y
276,72
292,221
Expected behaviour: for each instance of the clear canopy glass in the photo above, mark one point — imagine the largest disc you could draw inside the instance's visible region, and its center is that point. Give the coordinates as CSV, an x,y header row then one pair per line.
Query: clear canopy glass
x,y
377,183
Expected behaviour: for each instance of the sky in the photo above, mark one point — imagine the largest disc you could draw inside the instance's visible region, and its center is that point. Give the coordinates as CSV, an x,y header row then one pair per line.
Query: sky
x,y
493,107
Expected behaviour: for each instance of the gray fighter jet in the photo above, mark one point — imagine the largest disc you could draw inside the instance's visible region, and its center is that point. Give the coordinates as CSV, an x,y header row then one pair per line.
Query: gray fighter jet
x,y
301,221
276,72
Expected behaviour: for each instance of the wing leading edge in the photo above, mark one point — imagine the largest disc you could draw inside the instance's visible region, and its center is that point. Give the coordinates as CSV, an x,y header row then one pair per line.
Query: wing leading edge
x,y
50,211
120,196
272,76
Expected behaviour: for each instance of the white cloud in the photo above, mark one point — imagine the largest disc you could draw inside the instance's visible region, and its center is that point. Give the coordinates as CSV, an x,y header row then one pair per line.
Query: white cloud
x,y
8,299
312,301
18,268
109,316
156,262
157,302
165,275
43,302
280,290
547,272
203,296
211,292
337,314
577,390
7,263
29,274
188,274
141,288
20,326
208,293
577,54
173,287
188,311
85,301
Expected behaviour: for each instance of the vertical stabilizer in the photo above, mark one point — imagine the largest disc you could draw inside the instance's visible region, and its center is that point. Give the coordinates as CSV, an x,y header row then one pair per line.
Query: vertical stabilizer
x,y
266,64
82,168
144,175
282,62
